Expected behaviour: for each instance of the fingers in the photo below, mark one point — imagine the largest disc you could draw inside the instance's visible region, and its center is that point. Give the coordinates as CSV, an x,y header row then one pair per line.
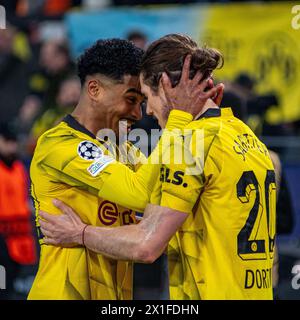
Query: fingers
x,y
198,76
46,227
46,233
46,216
213,92
60,205
203,85
166,82
210,83
185,75
220,93
64,208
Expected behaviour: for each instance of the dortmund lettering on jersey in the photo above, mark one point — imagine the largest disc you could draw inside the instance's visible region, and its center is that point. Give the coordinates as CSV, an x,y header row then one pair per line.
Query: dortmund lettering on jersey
x,y
71,164
224,249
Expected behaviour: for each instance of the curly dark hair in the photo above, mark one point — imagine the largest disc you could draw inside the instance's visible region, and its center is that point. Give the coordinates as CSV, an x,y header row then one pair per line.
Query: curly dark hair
x,y
113,58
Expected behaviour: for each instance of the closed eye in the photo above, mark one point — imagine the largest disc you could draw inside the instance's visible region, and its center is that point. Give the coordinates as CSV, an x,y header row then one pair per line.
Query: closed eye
x,y
132,100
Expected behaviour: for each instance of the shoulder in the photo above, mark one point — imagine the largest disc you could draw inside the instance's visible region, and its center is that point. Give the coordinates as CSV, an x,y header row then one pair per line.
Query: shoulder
x,y
203,132
56,133
208,126
54,140
62,142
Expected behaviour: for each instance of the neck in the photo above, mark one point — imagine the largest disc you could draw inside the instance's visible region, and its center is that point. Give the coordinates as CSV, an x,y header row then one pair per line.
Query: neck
x,y
87,118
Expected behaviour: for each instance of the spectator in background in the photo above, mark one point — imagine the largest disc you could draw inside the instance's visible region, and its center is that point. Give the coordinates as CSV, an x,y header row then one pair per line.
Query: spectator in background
x,y
138,38
17,244
53,91
297,127
67,97
234,99
257,107
48,8
55,65
28,113
56,7
256,104
15,53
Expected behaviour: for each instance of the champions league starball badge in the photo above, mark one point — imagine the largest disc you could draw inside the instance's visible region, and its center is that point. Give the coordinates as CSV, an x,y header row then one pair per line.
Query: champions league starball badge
x,y
87,150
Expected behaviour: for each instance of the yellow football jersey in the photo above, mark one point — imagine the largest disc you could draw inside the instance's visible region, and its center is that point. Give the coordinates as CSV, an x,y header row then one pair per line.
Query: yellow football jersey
x,y
70,164
77,273
224,249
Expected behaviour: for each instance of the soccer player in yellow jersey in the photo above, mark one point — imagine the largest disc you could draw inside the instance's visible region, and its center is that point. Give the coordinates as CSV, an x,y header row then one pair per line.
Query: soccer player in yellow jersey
x,y
220,222
70,163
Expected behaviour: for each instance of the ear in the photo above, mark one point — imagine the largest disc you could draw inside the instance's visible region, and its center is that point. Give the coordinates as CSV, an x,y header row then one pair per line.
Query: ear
x,y
94,89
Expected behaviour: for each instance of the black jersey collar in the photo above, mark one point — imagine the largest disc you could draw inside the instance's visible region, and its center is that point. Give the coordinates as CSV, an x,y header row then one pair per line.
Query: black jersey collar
x,y
73,123
210,113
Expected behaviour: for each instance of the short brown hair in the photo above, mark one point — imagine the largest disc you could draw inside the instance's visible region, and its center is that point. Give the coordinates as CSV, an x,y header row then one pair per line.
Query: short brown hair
x,y
167,54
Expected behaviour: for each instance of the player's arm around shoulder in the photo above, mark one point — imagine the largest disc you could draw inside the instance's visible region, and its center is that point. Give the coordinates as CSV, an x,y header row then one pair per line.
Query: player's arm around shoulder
x,y
148,239
143,242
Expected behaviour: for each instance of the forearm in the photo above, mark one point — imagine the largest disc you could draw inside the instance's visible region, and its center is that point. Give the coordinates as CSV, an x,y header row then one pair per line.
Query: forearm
x,y
122,243
143,242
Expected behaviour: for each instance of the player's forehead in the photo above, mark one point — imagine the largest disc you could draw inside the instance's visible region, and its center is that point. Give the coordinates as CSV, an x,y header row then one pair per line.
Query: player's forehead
x,y
131,84
132,81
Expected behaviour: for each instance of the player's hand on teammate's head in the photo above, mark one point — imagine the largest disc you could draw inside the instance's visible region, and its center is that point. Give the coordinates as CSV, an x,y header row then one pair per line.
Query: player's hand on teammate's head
x,y
190,95
217,98
62,230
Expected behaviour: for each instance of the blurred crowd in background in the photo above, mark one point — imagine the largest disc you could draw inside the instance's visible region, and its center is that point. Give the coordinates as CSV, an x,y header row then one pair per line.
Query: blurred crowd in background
x,y
38,86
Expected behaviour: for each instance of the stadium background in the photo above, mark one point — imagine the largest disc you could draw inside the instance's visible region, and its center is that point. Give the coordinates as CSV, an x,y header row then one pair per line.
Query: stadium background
x,y
261,47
